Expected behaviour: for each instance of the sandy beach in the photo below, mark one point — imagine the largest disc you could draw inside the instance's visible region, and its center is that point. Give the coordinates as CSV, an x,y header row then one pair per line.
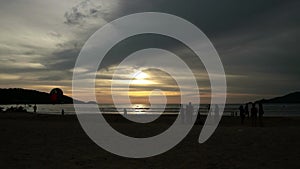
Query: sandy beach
x,y
49,141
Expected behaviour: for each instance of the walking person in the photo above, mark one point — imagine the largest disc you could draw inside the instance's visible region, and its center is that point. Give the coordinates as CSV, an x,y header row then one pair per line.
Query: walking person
x,y
260,114
254,114
242,114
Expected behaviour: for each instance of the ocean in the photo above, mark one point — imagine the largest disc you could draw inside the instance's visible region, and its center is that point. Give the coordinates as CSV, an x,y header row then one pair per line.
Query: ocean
x,y
270,109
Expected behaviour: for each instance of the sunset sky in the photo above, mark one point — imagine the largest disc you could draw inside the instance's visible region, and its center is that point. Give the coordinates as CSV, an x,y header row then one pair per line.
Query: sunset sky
x,y
257,42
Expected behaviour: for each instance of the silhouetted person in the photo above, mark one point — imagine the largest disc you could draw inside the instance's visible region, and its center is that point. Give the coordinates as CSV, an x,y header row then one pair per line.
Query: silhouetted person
x,y
247,110
217,113
182,114
254,114
242,114
260,114
34,108
125,112
189,113
62,112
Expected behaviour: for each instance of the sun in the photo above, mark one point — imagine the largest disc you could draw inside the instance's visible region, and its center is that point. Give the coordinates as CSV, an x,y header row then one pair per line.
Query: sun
x,y
140,75
140,78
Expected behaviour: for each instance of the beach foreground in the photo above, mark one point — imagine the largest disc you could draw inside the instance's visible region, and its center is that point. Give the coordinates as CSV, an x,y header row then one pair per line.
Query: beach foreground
x,y
49,141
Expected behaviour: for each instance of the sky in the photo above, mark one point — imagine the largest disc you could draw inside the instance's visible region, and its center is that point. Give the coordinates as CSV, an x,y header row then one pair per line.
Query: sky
x,y
257,42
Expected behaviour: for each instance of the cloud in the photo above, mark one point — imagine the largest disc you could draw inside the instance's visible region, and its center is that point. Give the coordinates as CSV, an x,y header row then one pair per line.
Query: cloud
x,y
19,64
88,10
74,16
8,77
55,34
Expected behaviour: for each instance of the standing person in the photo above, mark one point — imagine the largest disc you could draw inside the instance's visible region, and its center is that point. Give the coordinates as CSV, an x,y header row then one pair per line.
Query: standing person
x,y
182,114
34,108
125,112
189,112
246,110
242,114
260,114
254,114
62,112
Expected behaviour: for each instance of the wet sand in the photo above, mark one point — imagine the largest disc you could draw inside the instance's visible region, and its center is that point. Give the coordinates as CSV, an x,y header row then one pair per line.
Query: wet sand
x,y
50,141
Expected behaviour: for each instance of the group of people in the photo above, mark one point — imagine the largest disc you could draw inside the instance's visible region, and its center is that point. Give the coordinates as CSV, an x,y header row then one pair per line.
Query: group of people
x,y
187,113
254,113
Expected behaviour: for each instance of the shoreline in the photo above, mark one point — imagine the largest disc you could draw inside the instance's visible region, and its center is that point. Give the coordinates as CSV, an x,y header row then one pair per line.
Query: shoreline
x,y
269,121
